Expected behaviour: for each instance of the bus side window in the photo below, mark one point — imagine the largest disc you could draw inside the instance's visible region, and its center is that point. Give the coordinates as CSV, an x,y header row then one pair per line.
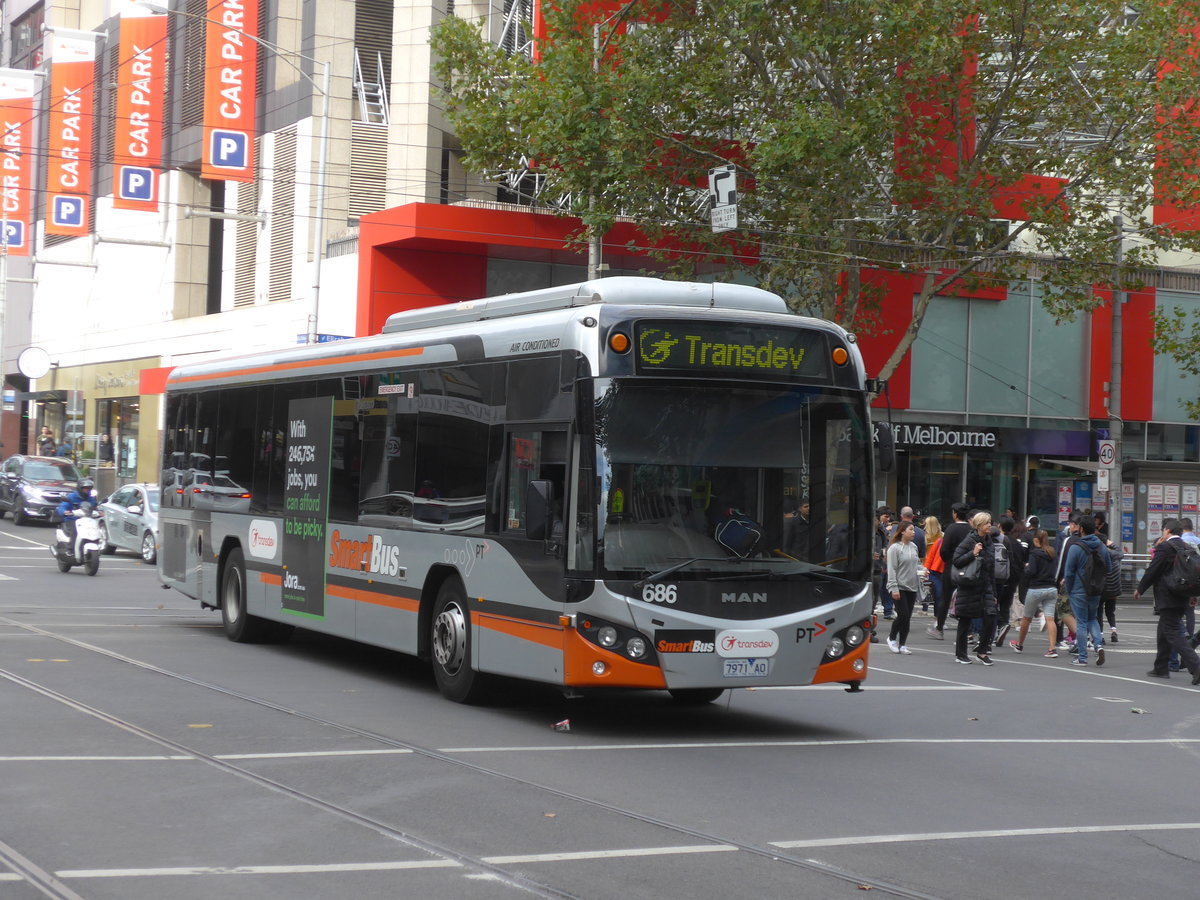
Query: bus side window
x,y
534,456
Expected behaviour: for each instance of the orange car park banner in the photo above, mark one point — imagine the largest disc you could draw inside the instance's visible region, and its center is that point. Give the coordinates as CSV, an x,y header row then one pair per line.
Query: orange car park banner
x,y
141,93
230,90
70,143
18,131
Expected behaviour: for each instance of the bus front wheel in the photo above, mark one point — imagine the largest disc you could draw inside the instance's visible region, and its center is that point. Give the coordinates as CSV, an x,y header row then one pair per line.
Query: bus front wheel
x,y
450,640
240,626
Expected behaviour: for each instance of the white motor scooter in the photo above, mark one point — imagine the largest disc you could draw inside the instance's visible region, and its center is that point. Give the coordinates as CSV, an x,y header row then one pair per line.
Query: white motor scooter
x,y
85,550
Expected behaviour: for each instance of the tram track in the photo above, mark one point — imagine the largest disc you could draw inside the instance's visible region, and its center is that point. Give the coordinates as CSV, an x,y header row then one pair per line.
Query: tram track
x,y
479,864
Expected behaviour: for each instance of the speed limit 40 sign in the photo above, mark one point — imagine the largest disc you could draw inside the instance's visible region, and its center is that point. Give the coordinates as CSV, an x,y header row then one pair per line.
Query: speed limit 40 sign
x,y
1107,451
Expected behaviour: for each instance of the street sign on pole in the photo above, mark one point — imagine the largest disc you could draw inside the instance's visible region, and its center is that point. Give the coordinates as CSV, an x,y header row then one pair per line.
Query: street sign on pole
x,y
722,194
1107,451
1102,480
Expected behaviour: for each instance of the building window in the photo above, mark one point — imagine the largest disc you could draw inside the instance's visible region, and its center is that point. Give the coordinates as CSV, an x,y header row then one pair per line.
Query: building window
x,y
119,419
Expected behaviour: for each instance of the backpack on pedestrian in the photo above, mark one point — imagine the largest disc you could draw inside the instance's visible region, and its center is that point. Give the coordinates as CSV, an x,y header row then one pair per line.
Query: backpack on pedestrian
x,y
1095,573
1002,569
1184,577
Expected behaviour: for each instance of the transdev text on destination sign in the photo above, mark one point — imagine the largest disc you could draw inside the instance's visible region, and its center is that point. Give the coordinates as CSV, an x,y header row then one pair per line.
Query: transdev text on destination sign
x,y
724,348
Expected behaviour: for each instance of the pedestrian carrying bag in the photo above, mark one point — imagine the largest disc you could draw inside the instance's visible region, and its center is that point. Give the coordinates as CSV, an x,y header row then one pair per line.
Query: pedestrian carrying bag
x,y
1112,584
969,575
1001,550
1184,577
1095,573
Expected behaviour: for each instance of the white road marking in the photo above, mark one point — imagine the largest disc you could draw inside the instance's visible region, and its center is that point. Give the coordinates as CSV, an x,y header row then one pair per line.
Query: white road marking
x,y
975,835
261,870
608,854
881,687
390,751
863,742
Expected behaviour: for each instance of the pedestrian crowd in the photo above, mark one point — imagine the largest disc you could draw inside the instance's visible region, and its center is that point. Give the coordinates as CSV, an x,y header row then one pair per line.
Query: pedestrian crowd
x,y
997,578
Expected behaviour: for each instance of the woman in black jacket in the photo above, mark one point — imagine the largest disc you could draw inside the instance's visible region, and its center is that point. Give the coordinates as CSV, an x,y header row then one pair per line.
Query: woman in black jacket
x,y
1041,593
977,600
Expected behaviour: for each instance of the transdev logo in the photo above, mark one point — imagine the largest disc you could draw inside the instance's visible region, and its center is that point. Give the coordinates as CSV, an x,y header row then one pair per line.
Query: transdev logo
x,y
747,644
263,540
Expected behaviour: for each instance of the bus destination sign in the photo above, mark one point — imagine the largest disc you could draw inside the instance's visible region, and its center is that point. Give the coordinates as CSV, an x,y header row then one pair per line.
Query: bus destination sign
x,y
728,348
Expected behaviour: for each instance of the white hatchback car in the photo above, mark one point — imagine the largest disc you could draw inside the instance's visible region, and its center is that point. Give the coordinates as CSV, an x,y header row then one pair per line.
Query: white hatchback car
x,y
131,521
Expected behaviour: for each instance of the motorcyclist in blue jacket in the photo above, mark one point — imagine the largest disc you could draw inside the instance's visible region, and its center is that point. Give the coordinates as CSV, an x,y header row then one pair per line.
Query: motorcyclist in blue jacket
x,y
85,492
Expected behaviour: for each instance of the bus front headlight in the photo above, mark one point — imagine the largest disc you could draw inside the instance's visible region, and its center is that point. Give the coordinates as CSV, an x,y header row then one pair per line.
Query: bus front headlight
x,y
635,647
855,636
607,636
836,648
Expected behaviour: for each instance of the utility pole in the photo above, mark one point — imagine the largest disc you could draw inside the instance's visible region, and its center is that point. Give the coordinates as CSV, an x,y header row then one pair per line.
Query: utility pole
x,y
595,258
1115,422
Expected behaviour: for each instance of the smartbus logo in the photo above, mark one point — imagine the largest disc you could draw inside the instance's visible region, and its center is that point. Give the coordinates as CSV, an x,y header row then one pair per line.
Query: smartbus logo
x,y
371,555
684,641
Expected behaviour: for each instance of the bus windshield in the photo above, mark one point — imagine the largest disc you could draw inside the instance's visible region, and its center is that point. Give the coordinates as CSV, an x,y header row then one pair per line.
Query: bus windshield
x,y
731,480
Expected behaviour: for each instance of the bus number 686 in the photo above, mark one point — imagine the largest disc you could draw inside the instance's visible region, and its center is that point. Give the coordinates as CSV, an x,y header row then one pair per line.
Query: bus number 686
x,y
659,593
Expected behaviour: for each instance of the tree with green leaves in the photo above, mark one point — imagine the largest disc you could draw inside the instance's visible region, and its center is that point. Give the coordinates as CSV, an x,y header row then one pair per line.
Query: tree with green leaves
x,y
867,137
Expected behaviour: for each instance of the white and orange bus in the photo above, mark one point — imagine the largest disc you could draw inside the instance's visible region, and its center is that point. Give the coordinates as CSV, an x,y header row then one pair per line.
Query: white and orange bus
x,y
589,486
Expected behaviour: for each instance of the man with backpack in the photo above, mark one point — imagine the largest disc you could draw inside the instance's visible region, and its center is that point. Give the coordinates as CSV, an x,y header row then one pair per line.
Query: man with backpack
x,y
1085,573
1173,592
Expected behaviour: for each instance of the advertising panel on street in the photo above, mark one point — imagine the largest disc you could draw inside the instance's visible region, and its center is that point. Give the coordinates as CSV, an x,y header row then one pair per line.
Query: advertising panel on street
x,y
70,139
230,90
16,156
141,93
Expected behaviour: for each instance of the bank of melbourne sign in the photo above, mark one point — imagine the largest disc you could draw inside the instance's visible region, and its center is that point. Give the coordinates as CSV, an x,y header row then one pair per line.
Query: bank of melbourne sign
x,y
1033,441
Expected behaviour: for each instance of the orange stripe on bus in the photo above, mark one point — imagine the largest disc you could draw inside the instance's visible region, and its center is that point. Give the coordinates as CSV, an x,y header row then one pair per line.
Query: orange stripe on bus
x,y
271,578
540,633
360,595
301,364
579,654
842,670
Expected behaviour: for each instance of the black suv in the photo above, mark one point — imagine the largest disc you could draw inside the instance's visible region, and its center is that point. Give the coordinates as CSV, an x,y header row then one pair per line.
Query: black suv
x,y
31,487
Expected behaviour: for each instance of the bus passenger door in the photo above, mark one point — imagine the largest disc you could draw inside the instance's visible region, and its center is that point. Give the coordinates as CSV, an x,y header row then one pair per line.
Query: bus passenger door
x,y
531,645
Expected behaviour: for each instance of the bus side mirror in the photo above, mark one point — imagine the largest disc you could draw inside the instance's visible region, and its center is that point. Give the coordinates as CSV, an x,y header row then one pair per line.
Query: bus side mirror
x,y
539,509
885,440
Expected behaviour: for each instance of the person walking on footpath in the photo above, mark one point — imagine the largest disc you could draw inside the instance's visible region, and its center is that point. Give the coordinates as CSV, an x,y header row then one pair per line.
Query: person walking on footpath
x,y
1085,572
933,563
1008,589
883,527
902,583
976,598
1169,607
951,538
1040,592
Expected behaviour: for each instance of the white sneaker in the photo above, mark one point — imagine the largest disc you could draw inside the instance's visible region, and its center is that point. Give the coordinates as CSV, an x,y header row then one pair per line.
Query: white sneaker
x,y
893,646
905,650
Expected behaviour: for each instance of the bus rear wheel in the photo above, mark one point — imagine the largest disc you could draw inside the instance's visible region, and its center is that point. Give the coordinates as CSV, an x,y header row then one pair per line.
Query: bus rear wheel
x,y
695,696
450,640
240,626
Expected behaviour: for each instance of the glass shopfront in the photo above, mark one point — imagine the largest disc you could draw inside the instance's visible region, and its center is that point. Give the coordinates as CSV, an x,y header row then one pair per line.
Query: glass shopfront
x,y
986,468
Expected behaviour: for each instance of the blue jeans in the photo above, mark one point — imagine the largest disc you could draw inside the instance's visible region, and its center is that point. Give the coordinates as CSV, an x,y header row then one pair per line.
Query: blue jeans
x,y
884,595
1087,622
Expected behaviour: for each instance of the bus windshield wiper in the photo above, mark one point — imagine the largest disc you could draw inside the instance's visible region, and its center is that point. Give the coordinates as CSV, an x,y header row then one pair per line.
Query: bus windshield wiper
x,y
670,570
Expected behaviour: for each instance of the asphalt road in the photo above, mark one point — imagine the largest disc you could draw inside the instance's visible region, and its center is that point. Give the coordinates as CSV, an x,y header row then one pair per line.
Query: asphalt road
x,y
142,755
